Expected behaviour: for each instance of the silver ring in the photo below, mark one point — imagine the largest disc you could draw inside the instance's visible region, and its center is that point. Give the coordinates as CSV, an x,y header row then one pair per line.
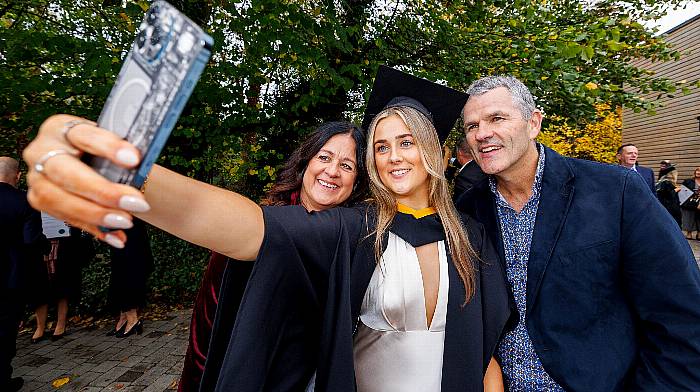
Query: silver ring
x,y
68,126
40,165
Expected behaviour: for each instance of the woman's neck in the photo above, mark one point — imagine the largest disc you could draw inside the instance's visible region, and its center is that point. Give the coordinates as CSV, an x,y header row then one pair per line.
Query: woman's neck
x,y
416,201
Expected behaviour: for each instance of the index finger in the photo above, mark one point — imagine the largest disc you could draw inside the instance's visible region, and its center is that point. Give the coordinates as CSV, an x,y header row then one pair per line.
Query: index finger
x,y
86,137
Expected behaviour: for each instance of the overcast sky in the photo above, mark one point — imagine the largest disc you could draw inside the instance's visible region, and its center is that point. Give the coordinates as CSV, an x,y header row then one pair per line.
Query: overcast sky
x,y
674,18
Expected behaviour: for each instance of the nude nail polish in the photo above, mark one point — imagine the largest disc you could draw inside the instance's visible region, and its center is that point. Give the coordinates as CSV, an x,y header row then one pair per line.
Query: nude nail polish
x,y
127,156
114,241
133,204
116,221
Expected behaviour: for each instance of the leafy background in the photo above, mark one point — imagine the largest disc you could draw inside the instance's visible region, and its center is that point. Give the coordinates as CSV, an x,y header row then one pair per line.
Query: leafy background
x,y
279,68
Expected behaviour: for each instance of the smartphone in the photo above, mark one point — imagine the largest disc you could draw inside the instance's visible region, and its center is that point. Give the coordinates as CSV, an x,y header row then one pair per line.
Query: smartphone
x,y
158,76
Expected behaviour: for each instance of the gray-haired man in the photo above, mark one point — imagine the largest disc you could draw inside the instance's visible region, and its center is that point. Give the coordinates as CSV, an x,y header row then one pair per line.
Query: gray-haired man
x,y
609,298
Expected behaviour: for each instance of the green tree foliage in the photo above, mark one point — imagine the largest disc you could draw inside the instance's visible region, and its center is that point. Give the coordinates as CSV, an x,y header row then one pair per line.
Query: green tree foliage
x,y
280,67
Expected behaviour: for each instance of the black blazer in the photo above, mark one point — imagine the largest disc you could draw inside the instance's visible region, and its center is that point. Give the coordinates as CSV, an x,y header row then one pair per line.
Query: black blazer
x,y
21,236
613,294
467,177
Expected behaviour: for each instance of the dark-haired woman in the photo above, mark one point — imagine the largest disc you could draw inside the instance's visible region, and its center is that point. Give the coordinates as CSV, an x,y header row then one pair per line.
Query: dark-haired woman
x,y
325,171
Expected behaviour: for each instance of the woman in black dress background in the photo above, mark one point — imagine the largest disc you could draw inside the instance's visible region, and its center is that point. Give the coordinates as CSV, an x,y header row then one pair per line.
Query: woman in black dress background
x,y
667,191
690,222
131,267
56,280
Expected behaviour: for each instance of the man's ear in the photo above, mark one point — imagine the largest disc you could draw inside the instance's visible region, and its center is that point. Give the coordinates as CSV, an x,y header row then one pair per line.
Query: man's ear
x,y
535,124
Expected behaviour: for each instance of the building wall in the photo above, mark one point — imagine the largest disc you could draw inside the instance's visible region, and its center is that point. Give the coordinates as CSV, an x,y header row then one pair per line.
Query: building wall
x,y
673,132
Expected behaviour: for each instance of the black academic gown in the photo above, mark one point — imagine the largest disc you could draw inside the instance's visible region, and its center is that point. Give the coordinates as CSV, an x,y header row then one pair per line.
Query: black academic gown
x,y
302,302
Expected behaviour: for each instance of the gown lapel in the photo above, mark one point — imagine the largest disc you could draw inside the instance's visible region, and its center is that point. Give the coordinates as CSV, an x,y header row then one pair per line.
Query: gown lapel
x,y
462,355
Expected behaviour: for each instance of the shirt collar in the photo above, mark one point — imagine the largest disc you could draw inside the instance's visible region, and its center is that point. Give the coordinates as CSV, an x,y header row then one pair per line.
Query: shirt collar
x,y
536,186
463,166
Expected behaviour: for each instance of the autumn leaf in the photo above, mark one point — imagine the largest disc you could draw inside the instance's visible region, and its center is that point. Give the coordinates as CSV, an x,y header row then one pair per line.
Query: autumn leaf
x,y
59,382
597,140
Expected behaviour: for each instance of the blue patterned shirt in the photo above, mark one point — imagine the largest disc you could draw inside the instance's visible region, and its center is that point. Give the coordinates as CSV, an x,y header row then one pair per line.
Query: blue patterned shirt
x,y
522,369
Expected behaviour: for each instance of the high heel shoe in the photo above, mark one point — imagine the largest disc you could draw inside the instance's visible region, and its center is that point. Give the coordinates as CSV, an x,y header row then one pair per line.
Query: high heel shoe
x,y
136,329
113,332
56,337
39,339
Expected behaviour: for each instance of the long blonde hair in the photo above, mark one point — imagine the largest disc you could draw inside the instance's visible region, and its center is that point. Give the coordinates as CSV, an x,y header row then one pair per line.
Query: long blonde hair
x,y
428,144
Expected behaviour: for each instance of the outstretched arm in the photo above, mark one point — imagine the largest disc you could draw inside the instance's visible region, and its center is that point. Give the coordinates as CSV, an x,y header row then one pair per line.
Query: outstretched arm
x,y
70,190
202,214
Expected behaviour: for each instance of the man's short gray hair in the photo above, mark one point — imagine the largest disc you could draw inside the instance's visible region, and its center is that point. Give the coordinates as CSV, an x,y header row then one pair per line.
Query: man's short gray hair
x,y
522,97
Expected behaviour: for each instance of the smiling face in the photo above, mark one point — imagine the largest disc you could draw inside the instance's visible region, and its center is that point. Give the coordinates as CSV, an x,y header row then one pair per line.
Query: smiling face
x,y
500,139
696,173
399,164
330,174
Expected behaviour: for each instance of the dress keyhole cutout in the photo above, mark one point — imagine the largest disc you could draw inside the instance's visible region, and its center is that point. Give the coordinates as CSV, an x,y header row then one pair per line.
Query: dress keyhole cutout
x,y
429,262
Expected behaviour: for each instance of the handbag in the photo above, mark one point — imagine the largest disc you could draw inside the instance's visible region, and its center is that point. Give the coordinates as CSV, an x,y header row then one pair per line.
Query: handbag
x,y
693,203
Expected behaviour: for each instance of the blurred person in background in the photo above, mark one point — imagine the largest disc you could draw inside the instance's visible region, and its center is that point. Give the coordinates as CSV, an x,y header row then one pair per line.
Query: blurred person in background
x,y
131,267
690,214
468,172
667,191
57,279
21,243
627,155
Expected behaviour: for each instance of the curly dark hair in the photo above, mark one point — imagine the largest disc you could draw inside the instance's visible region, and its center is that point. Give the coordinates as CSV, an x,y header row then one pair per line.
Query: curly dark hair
x,y
286,190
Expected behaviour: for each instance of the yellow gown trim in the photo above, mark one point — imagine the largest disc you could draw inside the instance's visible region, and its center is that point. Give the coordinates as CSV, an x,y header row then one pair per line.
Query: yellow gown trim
x,y
423,212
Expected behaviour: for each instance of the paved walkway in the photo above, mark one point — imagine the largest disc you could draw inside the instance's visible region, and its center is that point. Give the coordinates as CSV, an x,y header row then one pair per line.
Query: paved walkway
x,y
87,360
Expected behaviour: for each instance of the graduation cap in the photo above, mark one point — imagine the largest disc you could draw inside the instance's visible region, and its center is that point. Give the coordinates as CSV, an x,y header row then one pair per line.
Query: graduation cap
x,y
440,104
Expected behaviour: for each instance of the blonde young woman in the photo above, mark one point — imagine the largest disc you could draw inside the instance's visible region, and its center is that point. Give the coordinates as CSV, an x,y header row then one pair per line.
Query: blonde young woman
x,y
403,294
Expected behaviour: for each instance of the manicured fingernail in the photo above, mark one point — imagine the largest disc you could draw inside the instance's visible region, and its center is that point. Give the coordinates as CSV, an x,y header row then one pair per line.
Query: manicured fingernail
x,y
114,241
133,204
117,221
127,156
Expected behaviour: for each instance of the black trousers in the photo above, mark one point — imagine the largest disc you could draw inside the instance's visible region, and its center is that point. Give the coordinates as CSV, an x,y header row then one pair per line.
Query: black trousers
x,y
11,307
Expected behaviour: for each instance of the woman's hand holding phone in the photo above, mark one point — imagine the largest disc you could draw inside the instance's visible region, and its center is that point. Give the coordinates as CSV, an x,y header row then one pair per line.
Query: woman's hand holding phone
x,y
63,186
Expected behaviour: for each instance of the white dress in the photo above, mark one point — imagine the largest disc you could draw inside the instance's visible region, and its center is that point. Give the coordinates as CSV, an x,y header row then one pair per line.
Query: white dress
x,y
394,348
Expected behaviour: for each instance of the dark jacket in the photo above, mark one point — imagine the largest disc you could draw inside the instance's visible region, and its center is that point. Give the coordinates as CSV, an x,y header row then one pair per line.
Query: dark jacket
x,y
467,177
21,237
648,176
613,289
